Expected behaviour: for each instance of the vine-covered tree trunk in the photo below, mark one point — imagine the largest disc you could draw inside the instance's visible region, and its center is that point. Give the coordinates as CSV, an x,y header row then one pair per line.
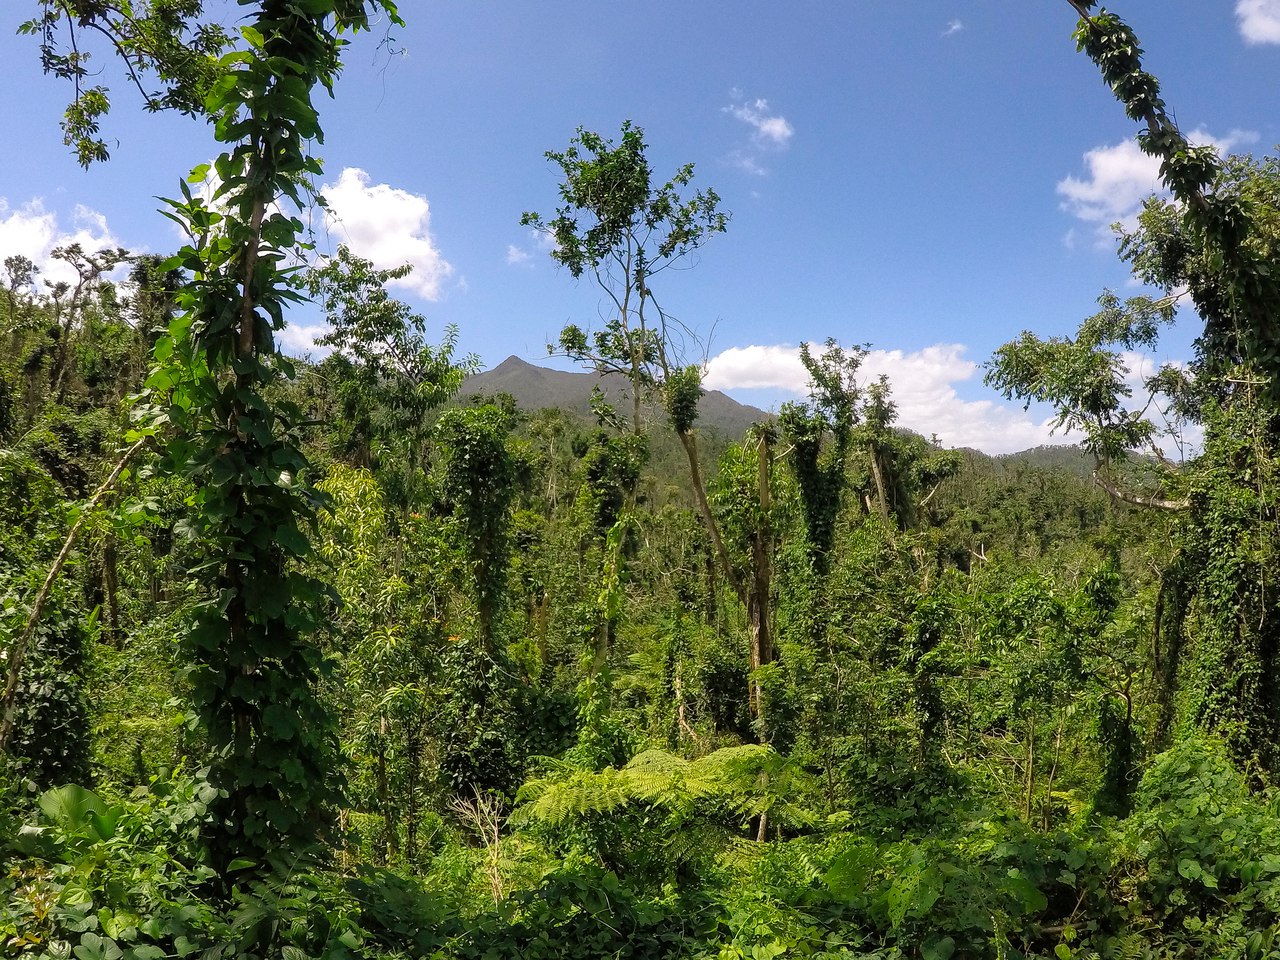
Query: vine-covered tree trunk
x,y
254,665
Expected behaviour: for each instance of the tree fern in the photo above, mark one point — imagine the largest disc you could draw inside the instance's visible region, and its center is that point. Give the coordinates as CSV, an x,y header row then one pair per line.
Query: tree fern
x,y
743,782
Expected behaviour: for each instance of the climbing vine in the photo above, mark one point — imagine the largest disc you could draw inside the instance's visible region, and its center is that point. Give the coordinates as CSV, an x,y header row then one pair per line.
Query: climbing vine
x,y
252,664
1214,652
1239,297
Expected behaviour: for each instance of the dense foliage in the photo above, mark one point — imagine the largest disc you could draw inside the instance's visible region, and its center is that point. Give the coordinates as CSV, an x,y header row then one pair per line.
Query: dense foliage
x,y
315,660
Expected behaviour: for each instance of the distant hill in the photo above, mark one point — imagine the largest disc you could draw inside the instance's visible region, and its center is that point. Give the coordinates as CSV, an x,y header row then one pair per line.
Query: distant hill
x,y
535,388
1067,458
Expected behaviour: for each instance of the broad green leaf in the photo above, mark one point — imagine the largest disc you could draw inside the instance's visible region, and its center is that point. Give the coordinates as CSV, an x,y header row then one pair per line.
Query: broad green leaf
x,y
70,805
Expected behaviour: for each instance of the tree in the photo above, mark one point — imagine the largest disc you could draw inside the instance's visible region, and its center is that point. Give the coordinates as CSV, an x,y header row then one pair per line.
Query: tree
x,y
1214,650
161,39
478,478
383,379
821,434
616,226
1237,292
1085,379
747,537
253,665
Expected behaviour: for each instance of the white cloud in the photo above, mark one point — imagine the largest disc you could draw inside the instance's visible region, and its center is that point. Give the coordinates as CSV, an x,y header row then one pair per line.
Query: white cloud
x,y
1259,20
299,339
1119,177
33,232
954,27
769,129
747,163
770,133
756,367
923,384
389,227
540,241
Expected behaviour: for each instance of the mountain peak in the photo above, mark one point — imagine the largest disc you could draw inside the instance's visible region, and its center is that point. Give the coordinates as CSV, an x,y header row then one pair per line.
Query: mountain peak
x,y
536,387
513,364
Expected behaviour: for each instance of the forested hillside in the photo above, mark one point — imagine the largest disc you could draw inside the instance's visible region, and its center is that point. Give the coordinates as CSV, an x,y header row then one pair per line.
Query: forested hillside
x,y
535,388
337,658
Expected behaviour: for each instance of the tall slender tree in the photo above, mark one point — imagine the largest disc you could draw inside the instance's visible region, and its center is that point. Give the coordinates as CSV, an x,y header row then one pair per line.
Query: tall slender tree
x,y
252,663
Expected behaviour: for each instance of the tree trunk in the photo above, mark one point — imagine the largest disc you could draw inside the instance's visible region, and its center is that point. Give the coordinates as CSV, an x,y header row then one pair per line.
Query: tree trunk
x,y
389,826
878,474
758,593
709,610
111,589
413,756
690,444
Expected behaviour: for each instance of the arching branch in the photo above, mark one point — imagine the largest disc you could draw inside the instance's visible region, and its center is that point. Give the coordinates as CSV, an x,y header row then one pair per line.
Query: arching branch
x,y
1125,496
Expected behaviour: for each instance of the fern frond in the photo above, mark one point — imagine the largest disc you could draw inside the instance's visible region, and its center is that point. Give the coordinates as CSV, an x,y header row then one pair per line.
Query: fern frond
x,y
745,781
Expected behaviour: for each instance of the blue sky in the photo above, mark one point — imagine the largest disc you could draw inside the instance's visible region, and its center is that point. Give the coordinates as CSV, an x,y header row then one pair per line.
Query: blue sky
x,y
930,178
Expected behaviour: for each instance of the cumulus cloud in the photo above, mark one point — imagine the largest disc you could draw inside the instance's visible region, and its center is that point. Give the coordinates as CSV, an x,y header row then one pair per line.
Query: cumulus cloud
x,y
517,255
1259,20
776,367
771,132
769,129
389,227
299,339
1120,176
34,232
954,27
924,388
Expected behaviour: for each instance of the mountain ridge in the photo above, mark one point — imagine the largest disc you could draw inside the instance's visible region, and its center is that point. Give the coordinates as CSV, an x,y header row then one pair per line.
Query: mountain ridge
x,y
536,387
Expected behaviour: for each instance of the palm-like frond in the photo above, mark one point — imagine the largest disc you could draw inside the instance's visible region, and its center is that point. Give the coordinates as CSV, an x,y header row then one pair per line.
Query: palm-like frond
x,y
744,781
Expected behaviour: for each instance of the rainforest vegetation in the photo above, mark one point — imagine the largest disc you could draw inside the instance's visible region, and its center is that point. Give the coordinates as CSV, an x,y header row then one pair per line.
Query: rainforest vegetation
x,y
321,660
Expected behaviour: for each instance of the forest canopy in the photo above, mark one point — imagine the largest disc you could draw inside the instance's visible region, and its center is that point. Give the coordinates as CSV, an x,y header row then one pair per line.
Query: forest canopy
x,y
329,658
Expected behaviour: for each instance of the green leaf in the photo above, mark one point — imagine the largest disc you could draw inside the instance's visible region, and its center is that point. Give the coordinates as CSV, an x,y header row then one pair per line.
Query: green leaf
x,y
1028,895
94,947
71,805
847,876
293,540
103,825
